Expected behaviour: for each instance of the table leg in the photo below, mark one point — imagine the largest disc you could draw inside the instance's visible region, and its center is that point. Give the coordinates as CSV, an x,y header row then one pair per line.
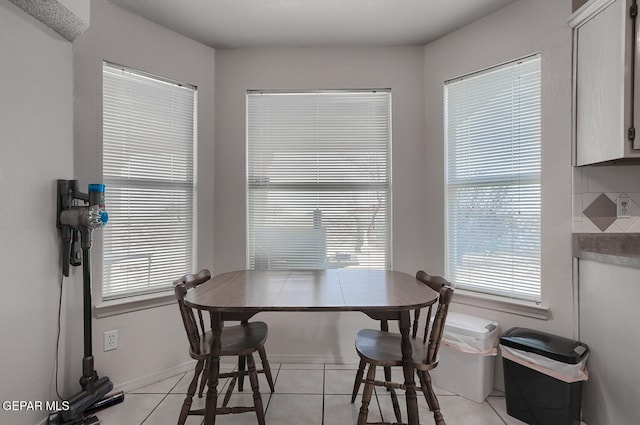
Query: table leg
x,y
384,327
214,370
408,369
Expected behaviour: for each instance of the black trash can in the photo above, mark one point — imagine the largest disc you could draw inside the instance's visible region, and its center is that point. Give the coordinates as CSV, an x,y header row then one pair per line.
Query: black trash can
x,y
543,376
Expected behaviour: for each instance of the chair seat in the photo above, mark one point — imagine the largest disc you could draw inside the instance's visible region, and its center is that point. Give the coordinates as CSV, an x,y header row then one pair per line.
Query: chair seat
x,y
237,340
384,349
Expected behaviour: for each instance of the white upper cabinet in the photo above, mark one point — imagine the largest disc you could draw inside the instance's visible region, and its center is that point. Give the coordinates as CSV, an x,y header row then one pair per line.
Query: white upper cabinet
x,y
604,54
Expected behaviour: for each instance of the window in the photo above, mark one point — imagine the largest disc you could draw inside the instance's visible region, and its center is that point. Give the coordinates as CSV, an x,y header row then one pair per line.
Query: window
x,y
493,180
148,167
318,175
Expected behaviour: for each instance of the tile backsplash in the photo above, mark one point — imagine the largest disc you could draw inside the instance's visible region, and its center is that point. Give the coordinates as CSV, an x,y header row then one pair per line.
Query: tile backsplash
x,y
596,189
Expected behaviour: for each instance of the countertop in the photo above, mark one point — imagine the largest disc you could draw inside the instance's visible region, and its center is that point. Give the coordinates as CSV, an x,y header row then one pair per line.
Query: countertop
x,y
614,248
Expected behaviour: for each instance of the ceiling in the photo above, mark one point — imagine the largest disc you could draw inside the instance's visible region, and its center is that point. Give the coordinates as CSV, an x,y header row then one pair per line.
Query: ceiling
x,y
312,23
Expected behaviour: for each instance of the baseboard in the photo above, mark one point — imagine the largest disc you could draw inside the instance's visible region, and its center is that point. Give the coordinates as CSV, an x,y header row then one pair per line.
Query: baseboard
x,y
152,378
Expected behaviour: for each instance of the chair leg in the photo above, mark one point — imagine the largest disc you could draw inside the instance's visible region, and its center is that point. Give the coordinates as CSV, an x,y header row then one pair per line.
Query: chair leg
x,y
257,398
241,372
227,395
203,378
394,395
358,380
396,405
366,395
266,368
430,396
387,375
186,405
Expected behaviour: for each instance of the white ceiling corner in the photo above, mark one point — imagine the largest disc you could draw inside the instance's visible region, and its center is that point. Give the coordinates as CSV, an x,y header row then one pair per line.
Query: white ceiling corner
x,y
312,23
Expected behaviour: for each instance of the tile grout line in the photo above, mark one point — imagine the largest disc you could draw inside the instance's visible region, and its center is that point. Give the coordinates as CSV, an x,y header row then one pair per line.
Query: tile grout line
x,y
375,393
275,380
324,380
165,396
495,411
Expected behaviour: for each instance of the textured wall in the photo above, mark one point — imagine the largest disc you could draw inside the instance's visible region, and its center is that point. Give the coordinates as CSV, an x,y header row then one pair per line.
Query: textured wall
x,y
69,18
36,148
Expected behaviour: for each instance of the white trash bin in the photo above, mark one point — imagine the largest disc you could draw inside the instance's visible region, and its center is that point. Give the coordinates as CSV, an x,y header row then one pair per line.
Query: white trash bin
x,y
467,356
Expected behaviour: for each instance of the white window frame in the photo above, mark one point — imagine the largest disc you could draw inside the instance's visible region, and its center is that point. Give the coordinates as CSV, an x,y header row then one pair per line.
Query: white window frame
x,y
487,275
282,242
149,168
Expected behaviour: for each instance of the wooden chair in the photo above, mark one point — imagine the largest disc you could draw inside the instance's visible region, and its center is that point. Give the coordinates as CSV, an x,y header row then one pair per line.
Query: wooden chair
x,y
381,348
241,340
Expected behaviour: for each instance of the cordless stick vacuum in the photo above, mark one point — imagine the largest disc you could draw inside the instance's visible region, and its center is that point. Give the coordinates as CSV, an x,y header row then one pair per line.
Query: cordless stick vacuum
x,y
78,215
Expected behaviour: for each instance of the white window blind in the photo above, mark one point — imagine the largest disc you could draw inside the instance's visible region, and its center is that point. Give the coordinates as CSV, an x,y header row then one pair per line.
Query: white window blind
x,y
148,167
493,179
318,166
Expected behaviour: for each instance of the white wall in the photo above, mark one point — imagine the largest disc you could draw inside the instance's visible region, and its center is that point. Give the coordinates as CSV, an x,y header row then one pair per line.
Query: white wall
x,y
401,69
151,341
521,29
36,148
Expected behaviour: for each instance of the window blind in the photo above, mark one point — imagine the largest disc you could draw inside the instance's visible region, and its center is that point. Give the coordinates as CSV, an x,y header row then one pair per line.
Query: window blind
x,y
493,179
148,167
318,175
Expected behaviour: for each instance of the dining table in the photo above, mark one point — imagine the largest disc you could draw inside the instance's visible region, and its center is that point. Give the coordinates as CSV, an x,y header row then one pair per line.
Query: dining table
x,y
383,295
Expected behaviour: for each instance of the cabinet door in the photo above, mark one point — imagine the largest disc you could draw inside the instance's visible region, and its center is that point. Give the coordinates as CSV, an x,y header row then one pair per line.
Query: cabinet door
x,y
600,85
609,318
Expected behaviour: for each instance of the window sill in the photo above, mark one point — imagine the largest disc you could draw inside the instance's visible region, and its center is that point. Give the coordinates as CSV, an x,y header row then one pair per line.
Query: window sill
x,y
127,305
507,305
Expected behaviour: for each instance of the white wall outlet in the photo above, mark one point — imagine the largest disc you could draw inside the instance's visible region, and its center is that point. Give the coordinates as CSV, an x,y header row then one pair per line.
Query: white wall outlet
x,y
110,340
623,206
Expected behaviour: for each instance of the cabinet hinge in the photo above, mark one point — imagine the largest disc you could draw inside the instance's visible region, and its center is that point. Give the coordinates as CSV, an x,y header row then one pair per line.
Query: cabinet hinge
x,y
633,10
631,134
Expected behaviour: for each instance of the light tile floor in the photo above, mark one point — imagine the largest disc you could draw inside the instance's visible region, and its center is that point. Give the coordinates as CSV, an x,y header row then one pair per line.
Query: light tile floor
x,y
306,394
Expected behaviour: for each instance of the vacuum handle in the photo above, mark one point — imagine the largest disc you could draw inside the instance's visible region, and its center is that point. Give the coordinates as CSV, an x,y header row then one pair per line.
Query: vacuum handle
x,y
78,222
76,249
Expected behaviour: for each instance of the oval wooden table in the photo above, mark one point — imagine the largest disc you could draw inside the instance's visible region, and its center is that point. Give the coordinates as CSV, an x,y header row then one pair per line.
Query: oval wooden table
x,y
380,294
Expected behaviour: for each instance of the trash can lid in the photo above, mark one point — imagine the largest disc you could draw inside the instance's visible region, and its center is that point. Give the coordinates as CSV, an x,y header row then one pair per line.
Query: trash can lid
x,y
464,324
552,346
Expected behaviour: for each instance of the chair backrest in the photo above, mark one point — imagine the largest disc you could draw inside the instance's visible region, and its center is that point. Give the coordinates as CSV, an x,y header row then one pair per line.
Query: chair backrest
x,y
434,331
193,280
195,328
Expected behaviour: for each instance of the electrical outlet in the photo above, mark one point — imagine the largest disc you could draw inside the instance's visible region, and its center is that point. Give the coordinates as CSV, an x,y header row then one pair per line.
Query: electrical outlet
x,y
110,340
623,206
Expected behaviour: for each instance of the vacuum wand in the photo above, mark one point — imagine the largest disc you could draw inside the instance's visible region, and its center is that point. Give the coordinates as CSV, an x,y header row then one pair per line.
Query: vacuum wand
x,y
85,219
79,214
